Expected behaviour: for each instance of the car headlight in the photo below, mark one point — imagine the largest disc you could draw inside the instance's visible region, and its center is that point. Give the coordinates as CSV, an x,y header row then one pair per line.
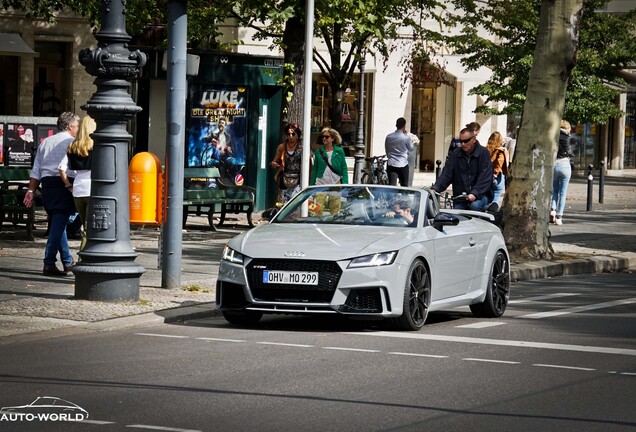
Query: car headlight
x,y
232,256
374,260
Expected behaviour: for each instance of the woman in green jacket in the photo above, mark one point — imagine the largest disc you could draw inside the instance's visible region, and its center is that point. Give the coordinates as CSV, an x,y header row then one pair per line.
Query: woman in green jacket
x,y
329,167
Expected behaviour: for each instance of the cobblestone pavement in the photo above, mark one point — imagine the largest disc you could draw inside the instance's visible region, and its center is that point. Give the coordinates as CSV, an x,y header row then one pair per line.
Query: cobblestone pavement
x,y
603,239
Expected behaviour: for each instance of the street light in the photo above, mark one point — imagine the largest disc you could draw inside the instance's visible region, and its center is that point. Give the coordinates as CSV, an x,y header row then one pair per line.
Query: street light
x,y
107,271
360,153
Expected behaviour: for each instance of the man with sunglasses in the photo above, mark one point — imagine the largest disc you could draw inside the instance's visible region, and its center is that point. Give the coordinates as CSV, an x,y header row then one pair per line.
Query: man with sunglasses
x,y
469,171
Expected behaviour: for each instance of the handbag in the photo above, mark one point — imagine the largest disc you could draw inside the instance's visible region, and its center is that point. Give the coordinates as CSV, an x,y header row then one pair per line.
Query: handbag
x,y
346,113
281,183
290,180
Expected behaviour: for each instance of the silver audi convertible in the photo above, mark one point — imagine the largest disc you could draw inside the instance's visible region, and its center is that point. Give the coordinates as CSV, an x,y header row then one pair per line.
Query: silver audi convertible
x,y
365,251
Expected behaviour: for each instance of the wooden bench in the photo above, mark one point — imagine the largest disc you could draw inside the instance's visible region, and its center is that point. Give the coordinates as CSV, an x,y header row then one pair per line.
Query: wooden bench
x,y
14,182
205,193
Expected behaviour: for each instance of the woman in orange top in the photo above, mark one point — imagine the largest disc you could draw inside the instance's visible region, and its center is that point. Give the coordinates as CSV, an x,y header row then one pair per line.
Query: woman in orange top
x,y
499,160
287,162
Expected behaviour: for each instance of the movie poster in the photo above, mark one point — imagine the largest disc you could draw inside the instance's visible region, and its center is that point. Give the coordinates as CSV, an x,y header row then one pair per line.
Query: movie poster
x,y
43,132
19,143
1,143
218,130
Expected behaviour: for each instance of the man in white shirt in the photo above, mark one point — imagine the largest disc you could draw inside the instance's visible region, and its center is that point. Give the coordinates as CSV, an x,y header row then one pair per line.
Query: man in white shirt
x,y
56,197
397,146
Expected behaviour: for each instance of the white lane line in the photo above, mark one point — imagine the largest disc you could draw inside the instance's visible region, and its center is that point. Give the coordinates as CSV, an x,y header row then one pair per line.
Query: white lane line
x,y
572,310
161,428
629,373
351,349
286,344
163,335
220,339
97,422
512,343
491,361
417,355
563,367
543,297
481,325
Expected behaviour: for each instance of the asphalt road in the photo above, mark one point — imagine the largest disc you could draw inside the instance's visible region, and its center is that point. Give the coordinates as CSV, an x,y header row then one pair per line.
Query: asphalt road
x,y
562,358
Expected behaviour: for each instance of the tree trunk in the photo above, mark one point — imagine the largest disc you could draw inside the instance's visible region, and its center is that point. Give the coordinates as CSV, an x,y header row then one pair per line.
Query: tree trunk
x,y
294,54
526,207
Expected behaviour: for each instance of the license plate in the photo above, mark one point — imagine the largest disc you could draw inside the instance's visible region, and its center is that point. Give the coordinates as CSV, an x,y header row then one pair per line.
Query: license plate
x,y
290,277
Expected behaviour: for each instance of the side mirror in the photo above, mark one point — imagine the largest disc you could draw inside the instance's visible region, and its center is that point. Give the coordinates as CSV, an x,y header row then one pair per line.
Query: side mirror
x,y
443,219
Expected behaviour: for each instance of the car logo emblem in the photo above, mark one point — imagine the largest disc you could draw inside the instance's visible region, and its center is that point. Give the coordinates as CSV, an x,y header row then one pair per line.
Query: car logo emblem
x,y
290,254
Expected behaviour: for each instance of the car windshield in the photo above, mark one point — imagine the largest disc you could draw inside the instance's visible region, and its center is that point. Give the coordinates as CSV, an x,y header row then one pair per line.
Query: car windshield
x,y
353,205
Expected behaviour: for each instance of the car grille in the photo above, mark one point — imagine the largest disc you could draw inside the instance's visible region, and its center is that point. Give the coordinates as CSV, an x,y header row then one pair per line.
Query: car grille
x,y
328,276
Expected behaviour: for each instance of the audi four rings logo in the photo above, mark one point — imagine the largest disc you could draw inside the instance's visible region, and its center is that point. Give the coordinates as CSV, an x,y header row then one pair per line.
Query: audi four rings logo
x,y
224,60
294,254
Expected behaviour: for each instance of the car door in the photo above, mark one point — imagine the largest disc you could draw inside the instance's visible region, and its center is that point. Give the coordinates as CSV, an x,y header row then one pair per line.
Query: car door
x,y
454,259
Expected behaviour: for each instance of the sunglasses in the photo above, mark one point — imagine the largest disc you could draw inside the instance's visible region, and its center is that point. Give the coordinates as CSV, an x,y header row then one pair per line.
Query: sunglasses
x,y
465,141
291,134
326,136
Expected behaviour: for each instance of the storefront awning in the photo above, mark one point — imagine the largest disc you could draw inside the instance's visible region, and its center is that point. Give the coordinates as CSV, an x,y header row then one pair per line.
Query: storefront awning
x,y
12,44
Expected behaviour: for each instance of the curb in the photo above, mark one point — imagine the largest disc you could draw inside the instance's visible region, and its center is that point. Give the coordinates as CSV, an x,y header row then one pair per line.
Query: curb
x,y
594,264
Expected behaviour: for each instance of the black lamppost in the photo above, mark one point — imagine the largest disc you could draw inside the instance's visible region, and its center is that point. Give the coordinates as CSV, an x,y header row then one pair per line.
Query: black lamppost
x,y
360,154
107,271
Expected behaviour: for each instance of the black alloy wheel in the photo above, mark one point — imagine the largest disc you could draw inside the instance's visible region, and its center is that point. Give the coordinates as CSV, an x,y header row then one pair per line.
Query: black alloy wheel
x,y
417,299
498,291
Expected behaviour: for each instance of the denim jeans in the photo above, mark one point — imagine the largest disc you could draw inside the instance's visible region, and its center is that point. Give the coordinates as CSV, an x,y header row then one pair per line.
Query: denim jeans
x,y
57,240
498,188
560,179
478,204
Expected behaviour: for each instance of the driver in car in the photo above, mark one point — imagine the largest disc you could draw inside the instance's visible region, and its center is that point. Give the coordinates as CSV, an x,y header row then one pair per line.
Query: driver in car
x,y
401,209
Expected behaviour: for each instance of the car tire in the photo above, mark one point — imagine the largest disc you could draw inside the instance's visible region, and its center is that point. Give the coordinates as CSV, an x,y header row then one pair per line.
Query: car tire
x,y
242,317
417,299
498,290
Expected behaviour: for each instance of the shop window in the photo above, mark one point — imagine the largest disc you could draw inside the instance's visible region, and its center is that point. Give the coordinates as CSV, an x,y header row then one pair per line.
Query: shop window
x,y
52,93
9,85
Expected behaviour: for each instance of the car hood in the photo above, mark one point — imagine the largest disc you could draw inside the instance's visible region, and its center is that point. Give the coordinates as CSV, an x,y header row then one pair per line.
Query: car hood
x,y
320,242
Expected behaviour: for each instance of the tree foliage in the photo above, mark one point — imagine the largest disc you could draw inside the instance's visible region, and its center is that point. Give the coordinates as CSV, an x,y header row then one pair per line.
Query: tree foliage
x,y
507,47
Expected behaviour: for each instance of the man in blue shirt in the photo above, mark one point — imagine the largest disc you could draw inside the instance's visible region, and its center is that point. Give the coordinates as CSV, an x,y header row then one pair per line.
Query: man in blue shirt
x,y
397,146
469,170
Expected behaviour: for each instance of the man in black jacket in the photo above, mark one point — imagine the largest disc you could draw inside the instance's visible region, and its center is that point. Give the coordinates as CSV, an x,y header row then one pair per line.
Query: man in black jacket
x,y
469,170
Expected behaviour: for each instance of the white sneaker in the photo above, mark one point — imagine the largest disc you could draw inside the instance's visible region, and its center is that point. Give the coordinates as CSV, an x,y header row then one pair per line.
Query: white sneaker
x,y
552,216
558,220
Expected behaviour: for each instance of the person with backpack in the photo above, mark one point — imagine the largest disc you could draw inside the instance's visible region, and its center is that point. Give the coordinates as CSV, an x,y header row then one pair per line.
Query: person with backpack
x,y
499,160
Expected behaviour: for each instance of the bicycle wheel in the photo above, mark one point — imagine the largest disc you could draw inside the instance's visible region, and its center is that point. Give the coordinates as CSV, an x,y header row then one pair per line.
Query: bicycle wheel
x,y
365,178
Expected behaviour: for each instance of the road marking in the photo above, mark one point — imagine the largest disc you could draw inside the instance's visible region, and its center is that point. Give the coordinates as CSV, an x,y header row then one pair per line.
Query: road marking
x,y
563,367
161,428
286,344
491,361
575,309
512,343
543,297
629,373
417,355
351,349
163,335
220,339
481,325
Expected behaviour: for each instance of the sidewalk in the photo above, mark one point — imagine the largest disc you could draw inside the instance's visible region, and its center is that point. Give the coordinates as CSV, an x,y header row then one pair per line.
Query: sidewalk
x,y
603,239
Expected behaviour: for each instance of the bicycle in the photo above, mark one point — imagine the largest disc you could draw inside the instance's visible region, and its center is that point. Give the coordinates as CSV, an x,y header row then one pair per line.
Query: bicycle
x,y
447,201
376,173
